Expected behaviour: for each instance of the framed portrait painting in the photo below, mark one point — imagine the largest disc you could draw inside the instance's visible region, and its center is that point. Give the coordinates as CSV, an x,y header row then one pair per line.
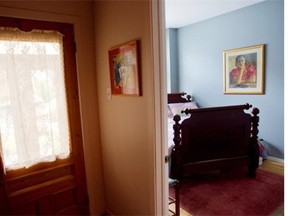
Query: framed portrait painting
x,y
124,69
244,70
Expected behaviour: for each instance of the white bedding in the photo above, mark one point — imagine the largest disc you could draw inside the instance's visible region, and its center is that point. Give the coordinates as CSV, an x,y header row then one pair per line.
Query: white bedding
x,y
171,132
172,110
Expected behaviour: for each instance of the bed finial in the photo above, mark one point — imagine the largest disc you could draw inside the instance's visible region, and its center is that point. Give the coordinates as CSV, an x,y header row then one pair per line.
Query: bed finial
x,y
255,123
254,148
177,131
176,165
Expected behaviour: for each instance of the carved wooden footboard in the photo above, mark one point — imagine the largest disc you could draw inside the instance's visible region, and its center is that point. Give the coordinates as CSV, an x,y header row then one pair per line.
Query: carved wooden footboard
x,y
215,138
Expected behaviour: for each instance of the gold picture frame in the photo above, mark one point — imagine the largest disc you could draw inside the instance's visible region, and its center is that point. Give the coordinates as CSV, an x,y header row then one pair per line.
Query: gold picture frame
x,y
243,71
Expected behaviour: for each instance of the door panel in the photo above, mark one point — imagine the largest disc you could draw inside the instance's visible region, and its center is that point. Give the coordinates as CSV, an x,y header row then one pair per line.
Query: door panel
x,y
3,194
45,189
52,188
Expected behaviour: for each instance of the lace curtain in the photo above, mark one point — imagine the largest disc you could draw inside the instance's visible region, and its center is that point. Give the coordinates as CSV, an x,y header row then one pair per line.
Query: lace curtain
x,y
33,111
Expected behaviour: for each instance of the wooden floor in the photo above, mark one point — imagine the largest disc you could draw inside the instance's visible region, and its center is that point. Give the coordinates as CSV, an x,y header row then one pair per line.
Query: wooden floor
x,y
272,166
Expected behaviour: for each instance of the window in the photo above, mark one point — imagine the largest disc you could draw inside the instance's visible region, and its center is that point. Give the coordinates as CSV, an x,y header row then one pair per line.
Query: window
x,y
33,111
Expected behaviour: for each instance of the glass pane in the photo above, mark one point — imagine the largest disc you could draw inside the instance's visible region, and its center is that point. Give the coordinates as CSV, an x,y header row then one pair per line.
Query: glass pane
x,y
33,111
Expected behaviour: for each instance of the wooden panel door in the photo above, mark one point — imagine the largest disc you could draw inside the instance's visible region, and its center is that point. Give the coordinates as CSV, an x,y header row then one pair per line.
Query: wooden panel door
x,y
52,188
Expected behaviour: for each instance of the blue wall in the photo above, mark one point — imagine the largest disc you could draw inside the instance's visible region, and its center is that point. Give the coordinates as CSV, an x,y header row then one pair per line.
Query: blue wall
x,y
200,63
172,60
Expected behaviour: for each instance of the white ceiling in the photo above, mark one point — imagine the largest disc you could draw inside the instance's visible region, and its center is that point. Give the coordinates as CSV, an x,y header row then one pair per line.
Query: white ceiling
x,y
180,13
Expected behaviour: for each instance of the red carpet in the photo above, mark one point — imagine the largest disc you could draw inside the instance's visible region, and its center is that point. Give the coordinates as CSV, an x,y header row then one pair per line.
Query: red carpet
x,y
232,193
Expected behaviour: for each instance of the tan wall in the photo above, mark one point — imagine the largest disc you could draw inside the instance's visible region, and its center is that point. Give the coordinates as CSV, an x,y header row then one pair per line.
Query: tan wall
x,y
81,14
126,131
127,126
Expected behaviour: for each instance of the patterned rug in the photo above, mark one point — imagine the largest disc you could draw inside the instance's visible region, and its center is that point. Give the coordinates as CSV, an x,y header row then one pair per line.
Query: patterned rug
x,y
233,193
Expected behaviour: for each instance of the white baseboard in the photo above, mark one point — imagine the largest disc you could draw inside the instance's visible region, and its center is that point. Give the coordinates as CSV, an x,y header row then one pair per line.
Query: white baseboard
x,y
275,159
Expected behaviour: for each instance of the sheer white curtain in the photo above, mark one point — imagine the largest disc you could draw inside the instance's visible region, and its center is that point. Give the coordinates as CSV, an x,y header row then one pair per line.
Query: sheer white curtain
x,y
33,111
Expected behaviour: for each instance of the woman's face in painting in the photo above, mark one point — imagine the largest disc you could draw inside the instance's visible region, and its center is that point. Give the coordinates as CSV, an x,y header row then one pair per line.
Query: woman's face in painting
x,y
241,61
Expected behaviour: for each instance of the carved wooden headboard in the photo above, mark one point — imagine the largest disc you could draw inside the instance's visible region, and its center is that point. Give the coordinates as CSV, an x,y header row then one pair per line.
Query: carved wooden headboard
x,y
181,97
215,137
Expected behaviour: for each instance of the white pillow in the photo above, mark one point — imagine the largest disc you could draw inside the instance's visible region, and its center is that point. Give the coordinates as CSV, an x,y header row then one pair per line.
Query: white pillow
x,y
169,112
176,108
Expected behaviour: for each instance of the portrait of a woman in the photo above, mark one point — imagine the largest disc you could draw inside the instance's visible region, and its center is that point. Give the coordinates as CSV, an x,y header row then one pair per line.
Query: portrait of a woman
x,y
243,75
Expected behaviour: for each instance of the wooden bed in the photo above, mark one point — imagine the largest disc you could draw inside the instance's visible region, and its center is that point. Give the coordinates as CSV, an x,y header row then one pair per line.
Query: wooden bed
x,y
213,138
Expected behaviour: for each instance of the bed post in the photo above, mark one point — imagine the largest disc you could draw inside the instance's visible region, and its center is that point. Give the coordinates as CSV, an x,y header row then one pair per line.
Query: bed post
x,y
176,160
254,148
